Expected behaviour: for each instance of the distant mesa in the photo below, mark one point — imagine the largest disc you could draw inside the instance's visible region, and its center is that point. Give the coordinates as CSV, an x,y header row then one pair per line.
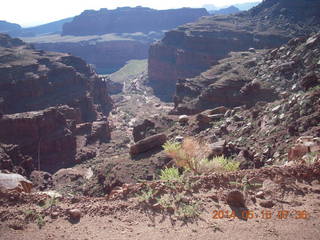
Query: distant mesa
x,y
16,30
223,11
7,27
130,20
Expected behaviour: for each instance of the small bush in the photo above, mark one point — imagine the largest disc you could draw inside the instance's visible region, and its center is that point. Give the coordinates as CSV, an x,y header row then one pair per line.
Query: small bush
x,y
192,155
227,164
170,174
188,211
146,195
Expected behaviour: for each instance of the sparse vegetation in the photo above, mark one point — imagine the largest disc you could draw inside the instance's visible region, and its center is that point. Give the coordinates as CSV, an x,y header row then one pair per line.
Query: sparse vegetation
x,y
311,158
51,202
245,185
40,221
170,174
146,195
191,155
187,211
174,197
131,70
34,216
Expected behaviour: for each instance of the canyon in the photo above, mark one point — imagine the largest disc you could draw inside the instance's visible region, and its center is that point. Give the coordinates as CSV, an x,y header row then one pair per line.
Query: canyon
x,y
191,49
108,39
215,134
51,106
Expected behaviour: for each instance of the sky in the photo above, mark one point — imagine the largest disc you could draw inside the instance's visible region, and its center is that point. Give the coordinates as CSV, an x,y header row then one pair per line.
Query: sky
x,y
35,12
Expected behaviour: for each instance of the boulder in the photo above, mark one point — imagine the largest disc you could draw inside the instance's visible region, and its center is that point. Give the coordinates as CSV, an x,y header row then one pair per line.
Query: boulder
x,y
99,132
309,81
216,149
147,144
143,129
235,198
303,146
41,180
15,182
42,139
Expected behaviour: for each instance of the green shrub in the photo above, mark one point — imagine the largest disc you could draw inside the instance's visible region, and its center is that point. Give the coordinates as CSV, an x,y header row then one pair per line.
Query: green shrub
x,y
192,155
170,174
227,164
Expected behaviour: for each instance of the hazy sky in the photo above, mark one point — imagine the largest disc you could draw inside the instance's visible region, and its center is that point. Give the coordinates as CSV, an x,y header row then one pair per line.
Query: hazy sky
x,y
35,12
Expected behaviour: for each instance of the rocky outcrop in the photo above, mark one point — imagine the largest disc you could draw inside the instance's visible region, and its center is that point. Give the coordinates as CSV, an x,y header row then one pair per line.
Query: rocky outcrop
x,y
7,27
129,20
147,144
265,133
224,11
191,49
40,139
32,80
45,98
246,78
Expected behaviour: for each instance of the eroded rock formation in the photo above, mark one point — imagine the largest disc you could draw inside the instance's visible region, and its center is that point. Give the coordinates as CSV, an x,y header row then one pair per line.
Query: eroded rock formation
x,y
129,20
45,98
191,49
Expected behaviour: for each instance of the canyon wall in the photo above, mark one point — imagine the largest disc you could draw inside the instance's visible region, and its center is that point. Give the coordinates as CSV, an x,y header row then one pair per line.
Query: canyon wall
x,y
107,56
129,20
52,108
191,49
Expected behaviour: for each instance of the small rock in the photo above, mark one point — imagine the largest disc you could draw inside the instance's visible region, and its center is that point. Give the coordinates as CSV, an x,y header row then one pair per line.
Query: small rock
x,y
75,214
252,50
178,139
183,119
54,215
267,204
260,194
235,198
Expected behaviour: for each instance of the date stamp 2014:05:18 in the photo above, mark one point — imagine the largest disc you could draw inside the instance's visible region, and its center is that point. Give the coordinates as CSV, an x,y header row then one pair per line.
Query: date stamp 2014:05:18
x,y
264,214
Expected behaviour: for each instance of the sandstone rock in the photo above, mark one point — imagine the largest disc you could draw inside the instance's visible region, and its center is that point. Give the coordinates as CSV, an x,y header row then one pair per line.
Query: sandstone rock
x,y
216,149
235,198
129,20
42,80
309,81
147,144
189,50
217,110
41,180
183,119
260,194
143,129
15,182
75,214
43,97
304,145
44,138
99,132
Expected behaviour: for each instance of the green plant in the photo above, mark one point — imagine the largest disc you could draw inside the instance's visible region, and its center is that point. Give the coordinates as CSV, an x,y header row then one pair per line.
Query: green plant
x,y
40,221
245,185
33,215
311,158
50,202
171,147
227,164
192,155
170,174
315,88
146,195
186,211
165,201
